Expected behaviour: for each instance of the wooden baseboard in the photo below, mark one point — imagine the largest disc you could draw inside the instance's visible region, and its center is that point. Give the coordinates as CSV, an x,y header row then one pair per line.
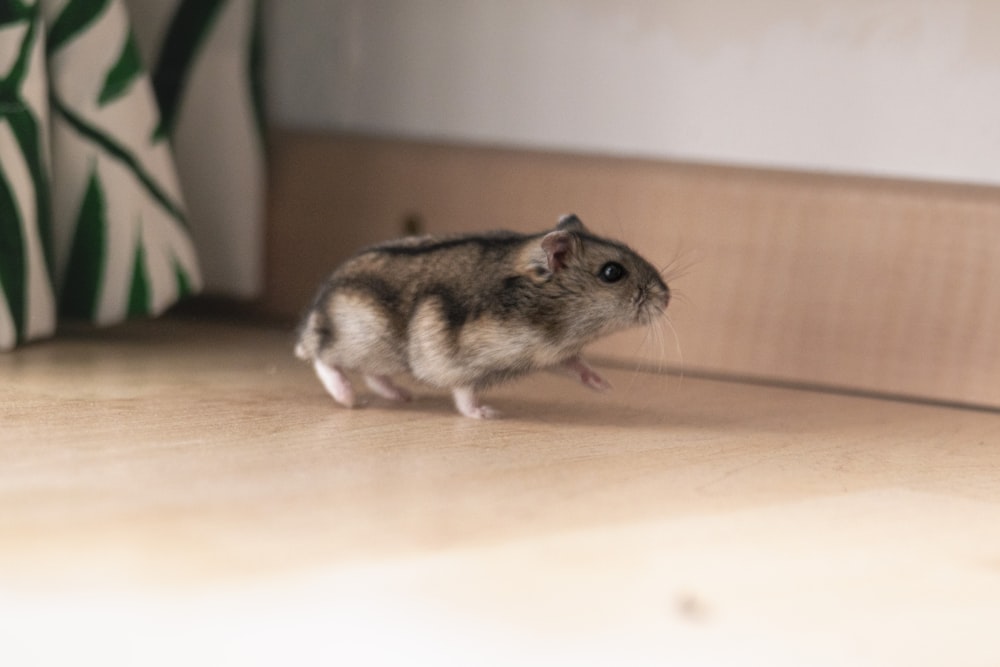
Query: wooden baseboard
x,y
866,284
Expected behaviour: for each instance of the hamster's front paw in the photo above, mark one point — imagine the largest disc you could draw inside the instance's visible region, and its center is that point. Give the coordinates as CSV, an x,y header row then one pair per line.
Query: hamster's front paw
x,y
587,375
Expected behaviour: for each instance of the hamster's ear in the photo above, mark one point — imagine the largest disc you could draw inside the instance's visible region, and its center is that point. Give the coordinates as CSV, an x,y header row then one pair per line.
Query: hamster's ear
x,y
559,246
571,223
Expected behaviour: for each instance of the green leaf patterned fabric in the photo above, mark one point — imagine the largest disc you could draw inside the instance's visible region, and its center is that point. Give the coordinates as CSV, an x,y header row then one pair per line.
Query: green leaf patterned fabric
x,y
204,56
125,72
27,302
96,221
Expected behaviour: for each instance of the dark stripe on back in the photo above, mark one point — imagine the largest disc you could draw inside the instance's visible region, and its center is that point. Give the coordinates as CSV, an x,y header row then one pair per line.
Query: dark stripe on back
x,y
492,241
371,284
486,242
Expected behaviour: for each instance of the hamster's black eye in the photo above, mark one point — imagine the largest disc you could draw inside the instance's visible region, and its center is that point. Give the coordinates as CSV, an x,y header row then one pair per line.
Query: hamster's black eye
x,y
611,272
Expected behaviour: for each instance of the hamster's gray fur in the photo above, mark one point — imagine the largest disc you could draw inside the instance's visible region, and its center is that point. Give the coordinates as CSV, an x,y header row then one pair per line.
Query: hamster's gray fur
x,y
467,312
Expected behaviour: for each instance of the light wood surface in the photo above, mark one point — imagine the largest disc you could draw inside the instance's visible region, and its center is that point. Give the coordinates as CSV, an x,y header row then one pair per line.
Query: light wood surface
x,y
185,493
871,284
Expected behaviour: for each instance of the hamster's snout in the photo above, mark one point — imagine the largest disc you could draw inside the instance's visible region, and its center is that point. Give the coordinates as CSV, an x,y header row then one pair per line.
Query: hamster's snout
x,y
660,293
652,301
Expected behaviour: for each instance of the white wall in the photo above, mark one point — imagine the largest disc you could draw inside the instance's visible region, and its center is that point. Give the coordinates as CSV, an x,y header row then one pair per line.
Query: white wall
x,y
893,87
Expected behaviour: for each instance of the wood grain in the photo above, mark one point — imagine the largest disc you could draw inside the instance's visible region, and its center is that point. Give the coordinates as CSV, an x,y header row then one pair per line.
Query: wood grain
x,y
868,284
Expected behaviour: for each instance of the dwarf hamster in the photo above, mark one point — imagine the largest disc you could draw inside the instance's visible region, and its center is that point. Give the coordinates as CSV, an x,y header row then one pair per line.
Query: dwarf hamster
x,y
467,312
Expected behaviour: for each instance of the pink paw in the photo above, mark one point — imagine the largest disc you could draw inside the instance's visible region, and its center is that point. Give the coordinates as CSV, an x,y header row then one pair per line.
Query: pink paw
x,y
468,404
336,384
385,388
590,378
586,374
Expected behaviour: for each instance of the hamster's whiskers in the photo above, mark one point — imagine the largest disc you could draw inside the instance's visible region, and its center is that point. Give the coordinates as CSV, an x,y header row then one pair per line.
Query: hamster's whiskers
x,y
655,335
677,343
678,267
677,296
639,365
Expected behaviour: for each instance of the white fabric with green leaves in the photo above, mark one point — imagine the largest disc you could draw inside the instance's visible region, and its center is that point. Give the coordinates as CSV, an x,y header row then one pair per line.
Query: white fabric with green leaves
x,y
94,222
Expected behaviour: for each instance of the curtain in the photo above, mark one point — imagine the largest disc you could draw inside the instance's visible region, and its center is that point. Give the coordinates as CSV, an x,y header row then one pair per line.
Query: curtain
x,y
130,148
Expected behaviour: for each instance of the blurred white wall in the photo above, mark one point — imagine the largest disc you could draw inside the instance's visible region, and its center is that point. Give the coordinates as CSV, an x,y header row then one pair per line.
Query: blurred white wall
x,y
891,87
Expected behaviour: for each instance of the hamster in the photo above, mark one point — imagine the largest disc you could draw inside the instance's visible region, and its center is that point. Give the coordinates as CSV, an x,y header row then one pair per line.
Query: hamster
x,y
468,312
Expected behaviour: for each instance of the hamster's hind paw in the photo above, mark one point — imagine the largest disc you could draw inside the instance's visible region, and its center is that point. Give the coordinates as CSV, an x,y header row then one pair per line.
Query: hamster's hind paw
x,y
468,404
336,384
385,388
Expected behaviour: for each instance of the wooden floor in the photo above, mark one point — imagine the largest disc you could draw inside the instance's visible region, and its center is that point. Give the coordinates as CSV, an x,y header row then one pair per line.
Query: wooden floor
x,y
184,492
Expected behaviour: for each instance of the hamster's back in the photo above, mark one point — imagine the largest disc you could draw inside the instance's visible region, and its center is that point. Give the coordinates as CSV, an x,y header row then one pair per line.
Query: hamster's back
x,y
363,314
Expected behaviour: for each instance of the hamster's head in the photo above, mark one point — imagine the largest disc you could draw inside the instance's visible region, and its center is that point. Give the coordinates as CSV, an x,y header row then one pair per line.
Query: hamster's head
x,y
600,285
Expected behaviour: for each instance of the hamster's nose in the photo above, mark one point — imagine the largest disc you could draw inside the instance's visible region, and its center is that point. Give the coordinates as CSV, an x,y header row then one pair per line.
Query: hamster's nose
x,y
666,296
